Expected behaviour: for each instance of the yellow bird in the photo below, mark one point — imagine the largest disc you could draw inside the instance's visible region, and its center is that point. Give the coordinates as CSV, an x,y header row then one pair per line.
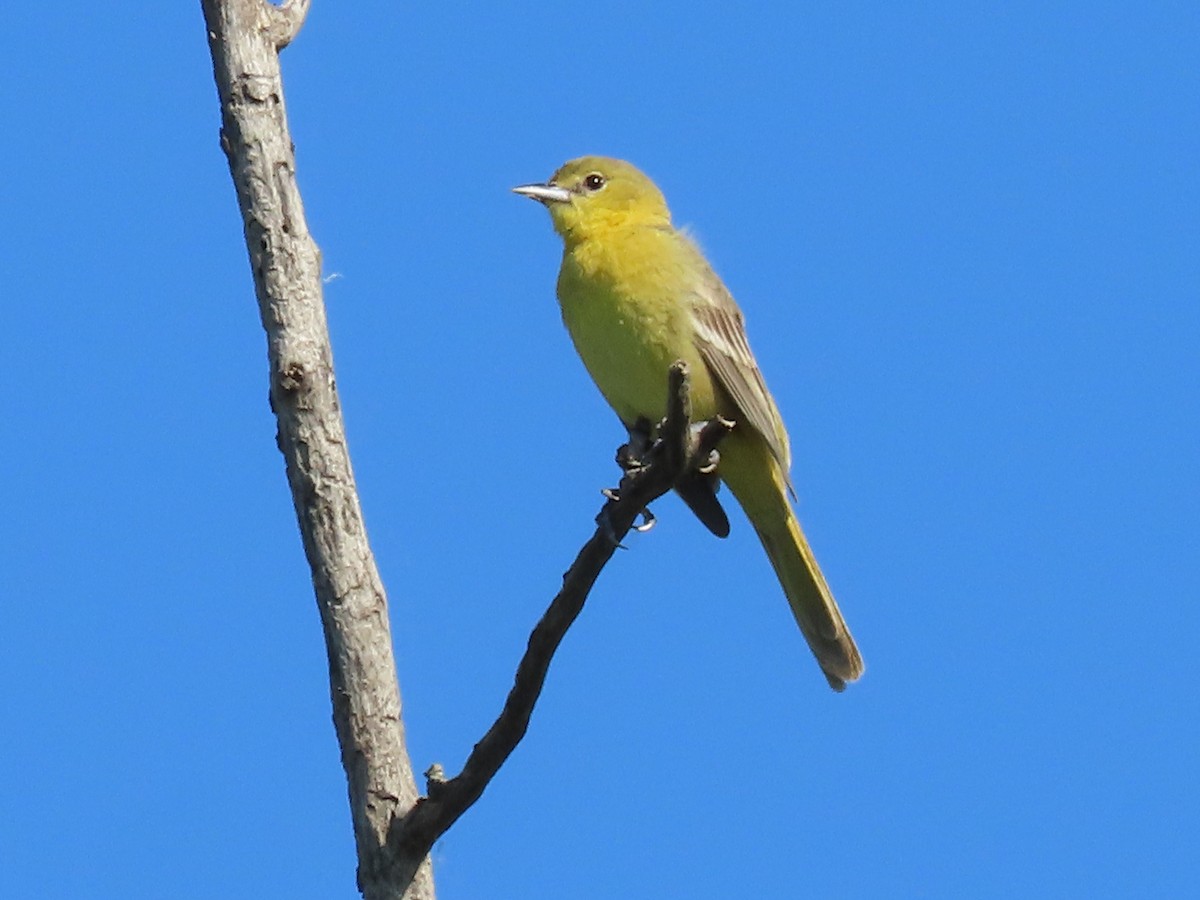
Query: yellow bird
x,y
637,295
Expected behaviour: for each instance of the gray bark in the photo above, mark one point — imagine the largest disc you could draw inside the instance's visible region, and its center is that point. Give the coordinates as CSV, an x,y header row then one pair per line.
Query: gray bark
x,y
245,37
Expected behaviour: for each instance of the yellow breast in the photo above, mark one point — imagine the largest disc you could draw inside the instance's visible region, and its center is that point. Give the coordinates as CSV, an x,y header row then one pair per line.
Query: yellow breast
x,y
625,303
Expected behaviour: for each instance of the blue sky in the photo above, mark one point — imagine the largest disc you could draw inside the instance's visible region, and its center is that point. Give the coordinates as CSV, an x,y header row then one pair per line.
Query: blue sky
x,y
966,241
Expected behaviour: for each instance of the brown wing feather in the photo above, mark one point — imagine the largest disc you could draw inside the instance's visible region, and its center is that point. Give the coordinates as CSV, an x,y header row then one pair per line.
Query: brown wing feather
x,y
721,339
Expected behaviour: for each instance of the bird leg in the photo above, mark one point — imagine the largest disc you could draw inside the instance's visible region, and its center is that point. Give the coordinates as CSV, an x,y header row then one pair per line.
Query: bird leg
x,y
644,442
697,487
631,457
637,452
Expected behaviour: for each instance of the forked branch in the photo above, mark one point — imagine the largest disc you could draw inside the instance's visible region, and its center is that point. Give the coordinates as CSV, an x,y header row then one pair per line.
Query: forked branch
x,y
394,828
677,452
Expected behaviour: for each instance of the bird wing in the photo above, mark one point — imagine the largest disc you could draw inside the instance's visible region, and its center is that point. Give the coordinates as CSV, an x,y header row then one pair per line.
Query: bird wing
x,y
720,335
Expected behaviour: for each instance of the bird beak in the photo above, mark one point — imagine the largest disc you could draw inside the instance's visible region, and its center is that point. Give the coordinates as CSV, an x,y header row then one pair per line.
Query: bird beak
x,y
543,193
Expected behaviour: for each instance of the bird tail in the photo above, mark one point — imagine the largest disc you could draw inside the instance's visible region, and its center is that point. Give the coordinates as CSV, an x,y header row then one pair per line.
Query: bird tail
x,y
812,604
766,505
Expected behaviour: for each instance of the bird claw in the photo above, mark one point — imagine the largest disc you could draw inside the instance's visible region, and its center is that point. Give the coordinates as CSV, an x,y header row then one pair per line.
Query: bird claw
x,y
602,519
648,520
706,465
709,466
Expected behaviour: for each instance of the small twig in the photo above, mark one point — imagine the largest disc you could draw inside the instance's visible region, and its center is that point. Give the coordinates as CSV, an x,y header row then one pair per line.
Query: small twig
x,y
676,450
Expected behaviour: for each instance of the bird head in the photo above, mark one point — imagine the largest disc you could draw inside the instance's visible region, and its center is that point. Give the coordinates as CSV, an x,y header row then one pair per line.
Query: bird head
x,y
593,194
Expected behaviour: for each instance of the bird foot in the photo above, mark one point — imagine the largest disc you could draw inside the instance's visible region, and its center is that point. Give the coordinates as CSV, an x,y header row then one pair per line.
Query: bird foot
x,y
705,465
636,453
605,523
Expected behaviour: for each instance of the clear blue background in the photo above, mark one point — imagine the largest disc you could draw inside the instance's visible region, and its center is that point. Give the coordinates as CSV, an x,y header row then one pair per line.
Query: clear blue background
x,y
967,241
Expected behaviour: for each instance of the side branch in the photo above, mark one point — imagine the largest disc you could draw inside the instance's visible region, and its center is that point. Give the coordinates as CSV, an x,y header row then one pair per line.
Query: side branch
x,y
676,453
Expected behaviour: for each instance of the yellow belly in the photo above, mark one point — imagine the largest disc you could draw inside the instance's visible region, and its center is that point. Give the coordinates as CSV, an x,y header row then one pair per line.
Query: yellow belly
x,y
628,341
624,301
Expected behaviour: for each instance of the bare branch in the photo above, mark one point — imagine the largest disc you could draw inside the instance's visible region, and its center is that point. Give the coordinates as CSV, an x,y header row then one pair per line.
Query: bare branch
x,y
244,37
672,456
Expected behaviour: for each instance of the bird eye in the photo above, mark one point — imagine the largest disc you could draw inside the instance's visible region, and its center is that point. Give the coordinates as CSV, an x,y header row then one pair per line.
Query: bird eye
x,y
594,182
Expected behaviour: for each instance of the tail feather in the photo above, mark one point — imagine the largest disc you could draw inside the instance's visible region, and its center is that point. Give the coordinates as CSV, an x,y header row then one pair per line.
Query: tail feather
x,y
812,604
761,488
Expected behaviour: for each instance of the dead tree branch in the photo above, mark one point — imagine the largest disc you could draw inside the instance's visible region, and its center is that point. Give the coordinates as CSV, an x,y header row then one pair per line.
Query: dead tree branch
x,y
245,37
676,453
